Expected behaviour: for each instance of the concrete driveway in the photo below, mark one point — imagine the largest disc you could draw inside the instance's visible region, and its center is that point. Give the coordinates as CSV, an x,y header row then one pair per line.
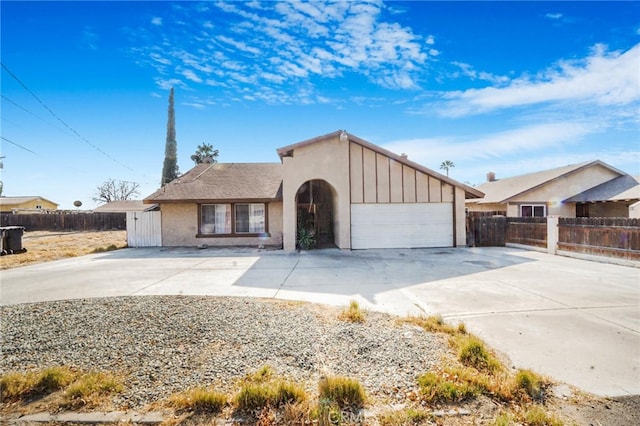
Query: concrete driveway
x,y
574,320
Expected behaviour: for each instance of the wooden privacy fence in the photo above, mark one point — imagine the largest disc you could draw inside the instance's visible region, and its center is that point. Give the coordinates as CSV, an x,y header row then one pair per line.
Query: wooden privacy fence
x,y
66,221
498,231
612,237
616,237
528,231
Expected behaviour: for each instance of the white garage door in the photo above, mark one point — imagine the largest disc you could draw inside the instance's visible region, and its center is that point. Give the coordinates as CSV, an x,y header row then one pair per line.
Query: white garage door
x,y
401,225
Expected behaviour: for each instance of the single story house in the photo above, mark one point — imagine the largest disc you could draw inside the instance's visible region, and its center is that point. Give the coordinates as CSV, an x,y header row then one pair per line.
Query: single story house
x,y
349,192
125,206
589,189
27,204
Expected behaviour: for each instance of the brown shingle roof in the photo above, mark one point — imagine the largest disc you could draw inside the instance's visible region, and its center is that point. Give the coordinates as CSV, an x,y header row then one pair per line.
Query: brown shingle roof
x,y
223,181
123,207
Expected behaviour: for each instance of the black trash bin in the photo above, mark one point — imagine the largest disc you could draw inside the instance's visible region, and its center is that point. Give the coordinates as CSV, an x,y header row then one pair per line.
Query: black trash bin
x,y
12,240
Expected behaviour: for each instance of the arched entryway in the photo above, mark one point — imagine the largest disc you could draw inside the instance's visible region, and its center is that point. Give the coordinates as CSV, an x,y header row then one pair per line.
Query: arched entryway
x,y
315,213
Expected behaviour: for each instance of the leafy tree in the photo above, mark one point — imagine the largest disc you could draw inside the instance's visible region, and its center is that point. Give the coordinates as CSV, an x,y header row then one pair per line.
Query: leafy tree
x,y
112,190
170,166
446,165
205,154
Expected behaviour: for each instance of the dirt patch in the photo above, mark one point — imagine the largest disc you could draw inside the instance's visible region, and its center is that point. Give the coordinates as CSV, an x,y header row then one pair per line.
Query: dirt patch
x,y
45,246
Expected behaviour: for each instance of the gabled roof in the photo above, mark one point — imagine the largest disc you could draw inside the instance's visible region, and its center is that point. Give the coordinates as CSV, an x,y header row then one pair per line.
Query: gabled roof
x,y
289,150
124,206
10,201
223,182
621,188
501,191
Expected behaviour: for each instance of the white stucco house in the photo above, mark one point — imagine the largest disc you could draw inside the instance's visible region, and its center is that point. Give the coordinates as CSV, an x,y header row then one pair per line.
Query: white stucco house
x,y
351,193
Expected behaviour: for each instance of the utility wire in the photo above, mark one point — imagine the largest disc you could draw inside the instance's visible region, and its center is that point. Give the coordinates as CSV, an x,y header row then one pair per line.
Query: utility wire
x,y
33,114
62,121
17,144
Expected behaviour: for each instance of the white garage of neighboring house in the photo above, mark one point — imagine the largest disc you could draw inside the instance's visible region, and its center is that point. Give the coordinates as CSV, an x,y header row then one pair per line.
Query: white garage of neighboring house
x,y
349,192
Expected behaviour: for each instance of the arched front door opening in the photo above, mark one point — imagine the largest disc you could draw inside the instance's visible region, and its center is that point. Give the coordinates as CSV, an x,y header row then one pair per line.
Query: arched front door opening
x,y
315,215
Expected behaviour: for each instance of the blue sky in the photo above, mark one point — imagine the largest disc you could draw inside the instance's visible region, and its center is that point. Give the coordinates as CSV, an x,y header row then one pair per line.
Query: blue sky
x,y
508,87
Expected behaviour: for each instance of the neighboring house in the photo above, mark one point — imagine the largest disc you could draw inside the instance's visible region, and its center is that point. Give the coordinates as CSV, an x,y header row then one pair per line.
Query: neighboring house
x,y
590,189
125,206
33,204
350,193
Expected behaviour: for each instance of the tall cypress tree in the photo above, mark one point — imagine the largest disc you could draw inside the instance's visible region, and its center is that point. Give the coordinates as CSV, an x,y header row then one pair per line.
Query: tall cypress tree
x,y
170,166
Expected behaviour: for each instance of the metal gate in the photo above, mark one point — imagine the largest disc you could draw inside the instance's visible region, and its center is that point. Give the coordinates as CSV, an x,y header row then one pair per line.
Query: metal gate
x,y
143,229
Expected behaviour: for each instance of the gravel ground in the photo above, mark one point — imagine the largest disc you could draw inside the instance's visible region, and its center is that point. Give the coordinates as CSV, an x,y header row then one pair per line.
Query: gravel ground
x,y
164,345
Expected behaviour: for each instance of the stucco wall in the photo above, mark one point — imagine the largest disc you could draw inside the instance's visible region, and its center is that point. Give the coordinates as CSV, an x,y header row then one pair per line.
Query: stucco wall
x,y
44,205
560,189
328,161
180,227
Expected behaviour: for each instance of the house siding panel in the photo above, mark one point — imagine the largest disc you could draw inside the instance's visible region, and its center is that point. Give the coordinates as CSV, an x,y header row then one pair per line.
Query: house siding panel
x,y
435,190
356,173
409,184
383,178
447,193
395,181
422,188
369,172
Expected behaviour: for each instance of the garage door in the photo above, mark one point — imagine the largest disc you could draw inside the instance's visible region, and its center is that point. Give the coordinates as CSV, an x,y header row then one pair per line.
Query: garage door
x,y
401,225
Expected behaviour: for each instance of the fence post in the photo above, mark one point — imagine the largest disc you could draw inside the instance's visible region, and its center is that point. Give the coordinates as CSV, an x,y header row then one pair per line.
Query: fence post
x,y
552,234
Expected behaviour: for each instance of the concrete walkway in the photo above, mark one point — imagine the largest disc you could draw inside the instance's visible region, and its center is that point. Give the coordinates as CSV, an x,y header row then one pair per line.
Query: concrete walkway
x,y
574,320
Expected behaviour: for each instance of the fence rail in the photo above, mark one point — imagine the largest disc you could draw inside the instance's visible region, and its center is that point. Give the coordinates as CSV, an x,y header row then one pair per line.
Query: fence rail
x,y
66,221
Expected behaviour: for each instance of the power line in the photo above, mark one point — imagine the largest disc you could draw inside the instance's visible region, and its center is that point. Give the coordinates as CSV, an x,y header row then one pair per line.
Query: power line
x,y
33,114
17,144
62,121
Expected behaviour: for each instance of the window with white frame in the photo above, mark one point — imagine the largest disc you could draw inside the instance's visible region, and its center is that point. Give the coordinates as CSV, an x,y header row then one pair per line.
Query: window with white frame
x,y
533,210
232,219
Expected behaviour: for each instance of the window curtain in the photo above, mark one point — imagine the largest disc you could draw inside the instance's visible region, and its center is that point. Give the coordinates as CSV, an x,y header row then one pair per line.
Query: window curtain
x,y
222,221
256,218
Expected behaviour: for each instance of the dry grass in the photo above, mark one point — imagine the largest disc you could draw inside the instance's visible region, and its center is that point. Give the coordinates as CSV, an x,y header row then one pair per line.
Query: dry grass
x,y
45,246
264,389
353,313
343,391
199,400
15,386
77,389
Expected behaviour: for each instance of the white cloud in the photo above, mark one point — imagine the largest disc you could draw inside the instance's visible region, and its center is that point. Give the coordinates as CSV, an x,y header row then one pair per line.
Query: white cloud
x,y
603,78
532,138
167,84
190,75
156,20
553,15
468,70
158,58
296,43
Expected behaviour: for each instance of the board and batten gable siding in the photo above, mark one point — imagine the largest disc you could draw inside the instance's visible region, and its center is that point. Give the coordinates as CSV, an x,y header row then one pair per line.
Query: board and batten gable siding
x,y
376,178
394,205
